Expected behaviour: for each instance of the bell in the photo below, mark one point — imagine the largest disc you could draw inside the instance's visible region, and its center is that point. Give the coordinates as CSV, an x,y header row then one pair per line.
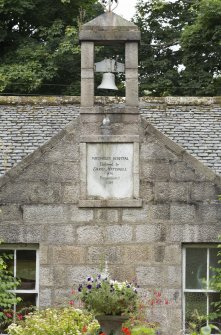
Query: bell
x,y
108,82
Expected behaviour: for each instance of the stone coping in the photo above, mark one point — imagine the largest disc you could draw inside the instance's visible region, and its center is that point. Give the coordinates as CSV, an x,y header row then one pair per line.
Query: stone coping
x,y
103,100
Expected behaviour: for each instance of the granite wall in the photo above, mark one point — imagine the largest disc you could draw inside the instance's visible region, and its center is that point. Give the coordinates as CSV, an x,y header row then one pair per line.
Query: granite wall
x,y
39,204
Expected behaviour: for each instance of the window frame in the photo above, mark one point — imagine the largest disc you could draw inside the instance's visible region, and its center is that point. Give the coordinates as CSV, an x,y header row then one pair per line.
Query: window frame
x,y
206,290
25,247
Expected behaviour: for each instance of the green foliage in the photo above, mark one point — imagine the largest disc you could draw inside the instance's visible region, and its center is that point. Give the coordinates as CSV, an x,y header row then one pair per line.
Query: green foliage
x,y
7,283
39,49
206,330
201,43
180,48
215,284
105,296
161,23
142,330
68,321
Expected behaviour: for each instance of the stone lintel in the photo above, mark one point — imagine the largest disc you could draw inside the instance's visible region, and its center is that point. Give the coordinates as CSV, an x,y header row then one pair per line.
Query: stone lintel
x,y
110,138
109,37
111,203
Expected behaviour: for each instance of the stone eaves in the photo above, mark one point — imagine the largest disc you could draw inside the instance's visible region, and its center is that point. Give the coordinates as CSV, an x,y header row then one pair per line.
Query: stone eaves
x,y
28,123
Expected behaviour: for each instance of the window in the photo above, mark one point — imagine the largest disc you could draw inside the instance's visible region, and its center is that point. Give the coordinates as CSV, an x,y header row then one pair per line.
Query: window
x,y
197,262
23,265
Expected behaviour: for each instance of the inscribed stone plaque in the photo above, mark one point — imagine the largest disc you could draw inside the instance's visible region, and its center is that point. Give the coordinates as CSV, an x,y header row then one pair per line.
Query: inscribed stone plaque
x,y
110,170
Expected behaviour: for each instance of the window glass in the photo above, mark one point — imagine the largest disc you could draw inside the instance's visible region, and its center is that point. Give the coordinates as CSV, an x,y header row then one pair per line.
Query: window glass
x,y
198,298
195,302
28,300
195,268
213,259
26,269
22,264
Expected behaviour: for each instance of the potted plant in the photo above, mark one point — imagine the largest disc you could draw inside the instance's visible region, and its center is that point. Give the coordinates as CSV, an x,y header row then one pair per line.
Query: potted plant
x,y
111,301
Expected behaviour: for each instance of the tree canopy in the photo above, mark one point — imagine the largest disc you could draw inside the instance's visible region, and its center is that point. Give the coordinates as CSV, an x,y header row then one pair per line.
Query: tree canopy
x,y
179,53
39,49
180,49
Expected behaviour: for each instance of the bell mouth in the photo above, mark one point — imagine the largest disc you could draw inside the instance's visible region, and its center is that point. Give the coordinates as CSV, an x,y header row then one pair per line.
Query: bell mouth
x,y
108,82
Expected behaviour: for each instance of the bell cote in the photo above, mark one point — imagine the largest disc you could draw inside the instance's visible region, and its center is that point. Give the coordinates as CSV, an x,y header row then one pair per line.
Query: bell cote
x,y
109,29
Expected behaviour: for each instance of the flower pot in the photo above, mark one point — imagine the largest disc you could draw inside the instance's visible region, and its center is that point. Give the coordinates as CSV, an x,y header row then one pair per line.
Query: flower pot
x,y
111,324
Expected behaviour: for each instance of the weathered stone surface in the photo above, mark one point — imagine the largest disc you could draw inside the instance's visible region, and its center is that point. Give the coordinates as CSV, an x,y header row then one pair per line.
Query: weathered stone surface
x,y
44,257
119,233
97,254
159,212
122,272
46,276
203,191
155,171
10,212
180,171
80,215
78,274
107,215
173,254
45,298
170,191
63,152
65,172
209,213
150,233
193,233
45,213
68,255
135,215
36,233
90,235
156,151
137,254
181,213
30,192
64,234
12,233
70,193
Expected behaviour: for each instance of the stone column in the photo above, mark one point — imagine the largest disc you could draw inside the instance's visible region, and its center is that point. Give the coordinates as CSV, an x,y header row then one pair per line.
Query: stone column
x,y
87,74
131,73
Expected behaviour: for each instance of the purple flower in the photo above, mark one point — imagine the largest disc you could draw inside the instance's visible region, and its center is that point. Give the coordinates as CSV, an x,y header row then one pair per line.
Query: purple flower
x,y
89,286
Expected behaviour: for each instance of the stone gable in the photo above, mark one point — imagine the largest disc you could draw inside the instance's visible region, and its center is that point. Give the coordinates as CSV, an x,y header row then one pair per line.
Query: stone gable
x,y
39,204
29,122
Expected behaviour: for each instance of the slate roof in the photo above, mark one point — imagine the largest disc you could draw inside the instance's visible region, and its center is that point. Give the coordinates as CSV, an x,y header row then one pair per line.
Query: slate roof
x,y
25,124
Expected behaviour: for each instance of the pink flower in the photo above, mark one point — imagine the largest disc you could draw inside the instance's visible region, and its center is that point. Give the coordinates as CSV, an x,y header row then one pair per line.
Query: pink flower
x,y
19,316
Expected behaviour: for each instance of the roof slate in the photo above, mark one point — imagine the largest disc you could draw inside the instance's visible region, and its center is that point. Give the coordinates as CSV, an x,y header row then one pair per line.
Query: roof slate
x,y
24,127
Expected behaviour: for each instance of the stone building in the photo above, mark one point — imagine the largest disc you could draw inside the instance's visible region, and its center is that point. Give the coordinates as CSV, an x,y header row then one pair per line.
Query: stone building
x,y
125,181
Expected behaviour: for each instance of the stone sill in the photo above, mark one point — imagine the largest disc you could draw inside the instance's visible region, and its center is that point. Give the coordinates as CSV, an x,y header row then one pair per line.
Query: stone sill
x,y
111,203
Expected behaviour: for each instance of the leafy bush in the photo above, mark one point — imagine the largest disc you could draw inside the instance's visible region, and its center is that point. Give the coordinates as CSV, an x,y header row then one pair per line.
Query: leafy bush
x,y
52,321
7,283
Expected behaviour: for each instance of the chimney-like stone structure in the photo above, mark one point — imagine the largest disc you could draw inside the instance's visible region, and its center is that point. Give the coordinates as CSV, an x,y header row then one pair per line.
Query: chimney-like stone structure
x,y
110,134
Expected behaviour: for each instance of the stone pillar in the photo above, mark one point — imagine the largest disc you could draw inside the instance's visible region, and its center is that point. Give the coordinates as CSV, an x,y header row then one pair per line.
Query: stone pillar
x,y
131,73
87,74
